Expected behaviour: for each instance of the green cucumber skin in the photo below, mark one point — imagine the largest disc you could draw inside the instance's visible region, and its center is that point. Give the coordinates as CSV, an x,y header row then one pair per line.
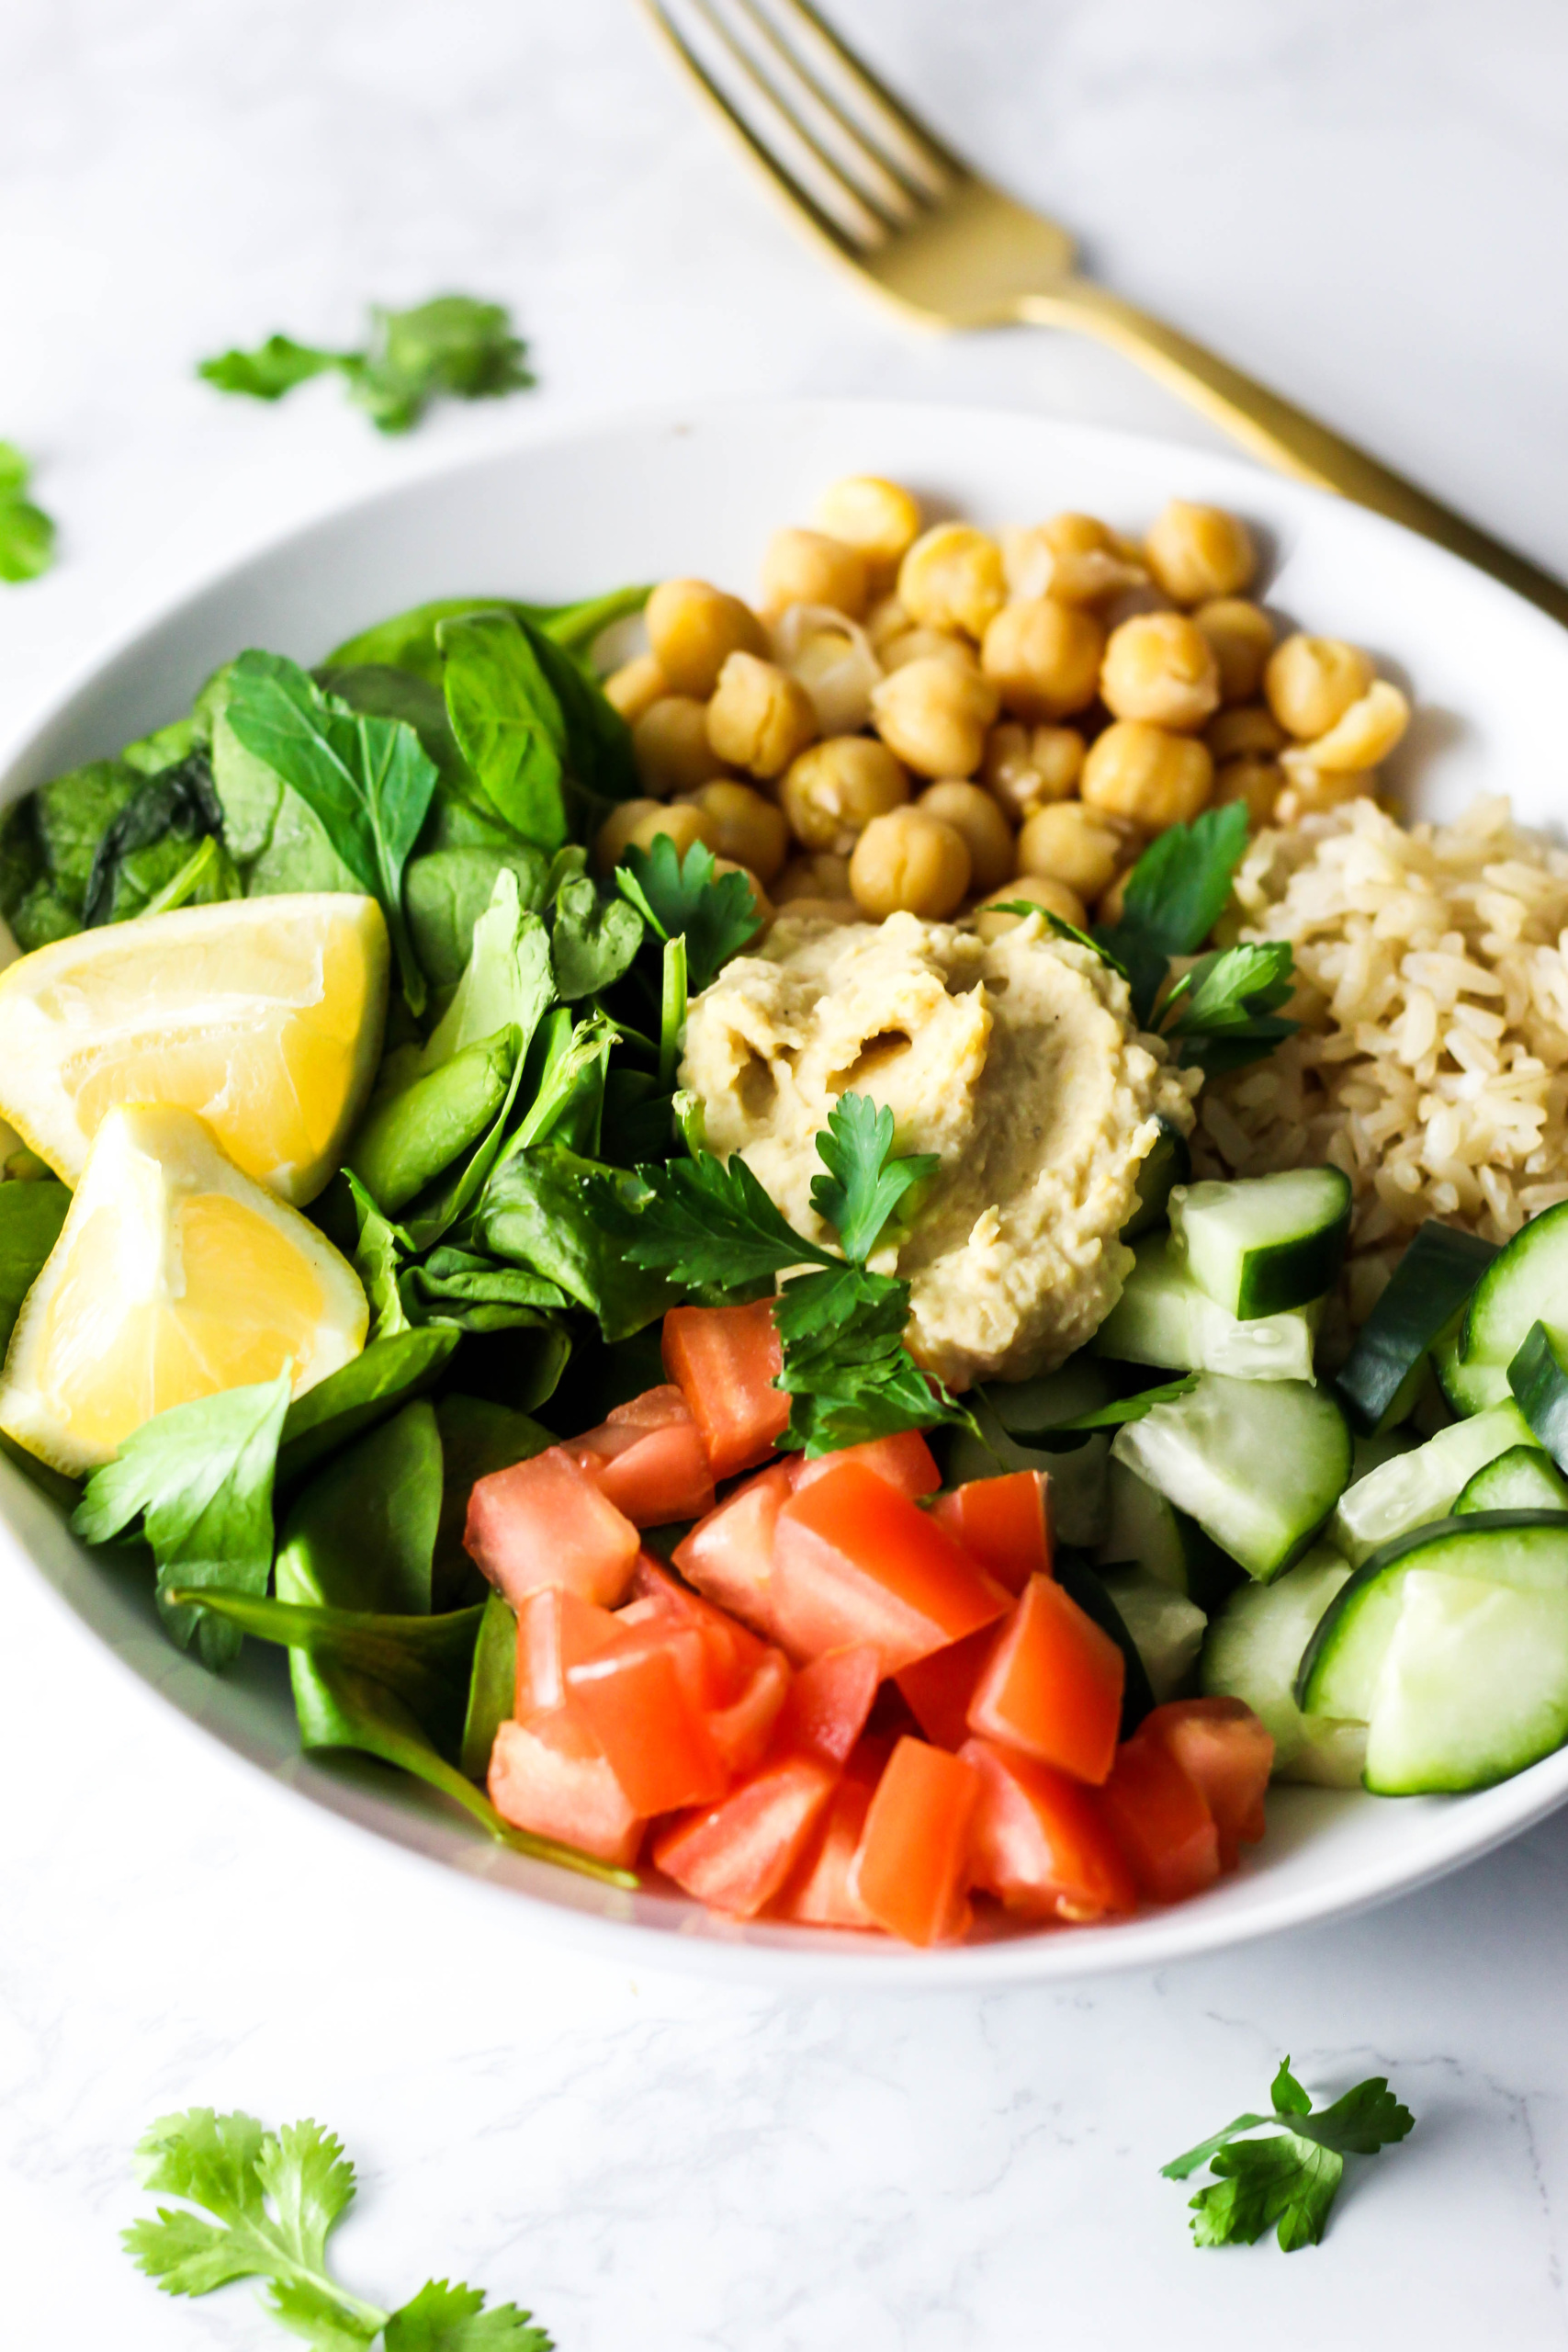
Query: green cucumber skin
x,y
1413,1489
1295,1272
1426,1296
1521,1479
1271,1276
1476,1366
1538,1379
1473,1687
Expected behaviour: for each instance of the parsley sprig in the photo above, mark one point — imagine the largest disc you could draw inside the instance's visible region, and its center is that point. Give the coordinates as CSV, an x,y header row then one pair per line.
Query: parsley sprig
x,y
1287,2182
275,2199
684,897
26,534
452,346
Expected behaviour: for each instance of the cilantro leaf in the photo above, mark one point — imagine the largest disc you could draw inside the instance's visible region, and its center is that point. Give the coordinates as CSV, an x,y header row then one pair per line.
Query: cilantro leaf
x,y
444,2318
26,534
272,368
1225,1007
1287,2182
717,912
452,345
864,1185
706,1223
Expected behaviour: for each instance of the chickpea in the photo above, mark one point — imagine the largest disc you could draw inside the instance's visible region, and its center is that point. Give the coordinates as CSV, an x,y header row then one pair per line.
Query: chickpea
x,y
1111,905
878,517
909,862
831,793
1197,552
617,830
635,686
1161,667
838,672
1053,898
759,899
760,717
1044,658
820,876
809,568
694,628
986,833
1026,766
953,578
1247,731
1366,733
670,744
1242,637
751,830
887,620
1076,559
1253,780
1146,775
934,716
683,823
1067,842
1311,682
926,645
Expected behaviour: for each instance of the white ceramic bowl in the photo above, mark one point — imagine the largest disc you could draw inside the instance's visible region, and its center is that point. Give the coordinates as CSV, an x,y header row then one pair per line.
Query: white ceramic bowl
x,y
563,514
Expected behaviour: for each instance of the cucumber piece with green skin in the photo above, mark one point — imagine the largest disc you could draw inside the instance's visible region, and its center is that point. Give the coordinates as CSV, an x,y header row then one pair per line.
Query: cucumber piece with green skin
x,y
1525,1283
1452,1644
1538,1379
1167,1628
1167,1163
1259,1464
1260,1245
1143,1528
1521,1479
1370,1454
1165,1317
1426,1294
1414,1488
1253,1650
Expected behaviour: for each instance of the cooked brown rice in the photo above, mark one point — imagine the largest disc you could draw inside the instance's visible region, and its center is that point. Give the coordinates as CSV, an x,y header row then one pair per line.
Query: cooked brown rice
x,y
1432,1062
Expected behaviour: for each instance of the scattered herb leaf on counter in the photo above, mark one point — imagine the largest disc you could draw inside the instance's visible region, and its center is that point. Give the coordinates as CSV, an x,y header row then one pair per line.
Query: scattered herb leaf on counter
x,y
275,2199
453,346
1289,2181
26,534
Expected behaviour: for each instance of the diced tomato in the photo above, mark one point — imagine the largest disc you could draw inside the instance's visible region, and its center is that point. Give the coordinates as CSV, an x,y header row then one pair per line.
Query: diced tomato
x,y
544,1522
1053,1685
818,1892
637,1698
725,1361
1005,1523
829,1702
940,1687
551,1776
912,1861
1221,1746
735,1855
737,1650
648,1459
905,1460
1040,1842
1161,1821
855,1561
743,1730
554,1629
731,1556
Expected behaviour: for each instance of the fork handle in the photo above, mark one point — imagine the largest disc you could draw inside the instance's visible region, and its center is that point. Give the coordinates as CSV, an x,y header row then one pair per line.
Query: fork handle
x,y
1284,435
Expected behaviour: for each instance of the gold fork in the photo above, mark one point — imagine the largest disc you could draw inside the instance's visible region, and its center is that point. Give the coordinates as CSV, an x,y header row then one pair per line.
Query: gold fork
x,y
912,221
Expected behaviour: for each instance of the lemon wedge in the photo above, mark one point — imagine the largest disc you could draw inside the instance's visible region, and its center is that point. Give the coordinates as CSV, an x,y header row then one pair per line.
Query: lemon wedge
x,y
262,1015
173,1276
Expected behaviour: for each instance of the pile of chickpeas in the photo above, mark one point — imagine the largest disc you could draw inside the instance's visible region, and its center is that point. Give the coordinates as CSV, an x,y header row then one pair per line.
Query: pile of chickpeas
x,y
943,721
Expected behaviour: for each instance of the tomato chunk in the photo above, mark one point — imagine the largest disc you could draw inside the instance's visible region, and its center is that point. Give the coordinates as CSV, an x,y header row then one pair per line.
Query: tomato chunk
x,y
743,1730
725,1361
735,1855
939,1688
1005,1523
1161,1821
855,1561
905,1460
736,1650
544,1522
552,1777
1053,1685
818,1892
829,1702
637,1699
648,1459
912,1859
1221,1746
554,1629
731,1556
1040,1842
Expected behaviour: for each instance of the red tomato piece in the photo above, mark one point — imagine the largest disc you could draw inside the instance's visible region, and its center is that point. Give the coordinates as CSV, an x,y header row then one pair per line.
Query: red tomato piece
x,y
551,1776
1005,1523
735,1855
544,1522
905,1460
1053,1685
554,1629
648,1459
643,1699
725,1360
829,1702
816,1894
855,1561
1039,1840
1221,1746
912,1861
1160,1819
737,1651
729,1556
939,1688
743,1730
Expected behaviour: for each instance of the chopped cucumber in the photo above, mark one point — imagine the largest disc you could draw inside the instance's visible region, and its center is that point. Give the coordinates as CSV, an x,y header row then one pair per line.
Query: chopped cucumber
x,y
1525,1283
1252,1652
1370,1454
1167,1163
1417,1487
1259,1465
1165,1317
1521,1479
1141,1527
1167,1628
1538,1379
1427,1294
1260,1245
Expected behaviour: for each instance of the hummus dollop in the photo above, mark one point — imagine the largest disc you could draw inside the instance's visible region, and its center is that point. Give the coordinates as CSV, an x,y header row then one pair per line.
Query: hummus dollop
x,y
1016,1061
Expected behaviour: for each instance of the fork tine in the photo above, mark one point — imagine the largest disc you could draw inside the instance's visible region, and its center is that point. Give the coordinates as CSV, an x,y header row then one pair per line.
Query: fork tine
x,y
939,160
892,188
785,182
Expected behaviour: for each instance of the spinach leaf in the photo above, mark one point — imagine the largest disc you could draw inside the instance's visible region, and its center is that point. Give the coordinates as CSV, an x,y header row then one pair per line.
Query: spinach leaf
x,y
593,939
478,1294
477,1436
508,721
447,891
407,641
27,533
535,1213
386,1375
567,1082
165,747
378,690
30,1218
71,813
599,754
492,1685
406,1142
379,1251
148,843
200,1477
367,780
506,982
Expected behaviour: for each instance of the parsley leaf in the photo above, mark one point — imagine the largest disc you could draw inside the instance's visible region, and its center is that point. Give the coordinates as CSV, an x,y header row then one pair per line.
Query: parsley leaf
x,y
1226,1006
846,1370
706,1223
864,1185
717,912
275,2199
1178,890
452,345
26,534
1289,2181
272,368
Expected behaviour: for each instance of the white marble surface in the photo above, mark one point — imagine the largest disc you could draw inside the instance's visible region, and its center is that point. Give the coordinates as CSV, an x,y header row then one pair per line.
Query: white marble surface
x,y
1365,199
